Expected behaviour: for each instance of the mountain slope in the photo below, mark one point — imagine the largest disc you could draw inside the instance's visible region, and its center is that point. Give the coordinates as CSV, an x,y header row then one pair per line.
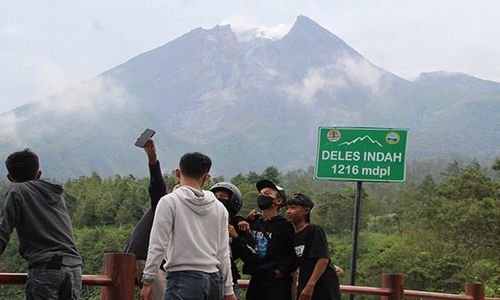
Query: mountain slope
x,y
248,104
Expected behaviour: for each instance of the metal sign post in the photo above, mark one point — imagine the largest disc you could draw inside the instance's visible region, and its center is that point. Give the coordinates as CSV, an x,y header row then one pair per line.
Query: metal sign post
x,y
355,234
360,154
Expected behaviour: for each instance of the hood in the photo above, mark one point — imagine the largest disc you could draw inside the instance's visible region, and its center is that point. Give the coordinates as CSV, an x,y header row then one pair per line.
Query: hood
x,y
201,202
51,192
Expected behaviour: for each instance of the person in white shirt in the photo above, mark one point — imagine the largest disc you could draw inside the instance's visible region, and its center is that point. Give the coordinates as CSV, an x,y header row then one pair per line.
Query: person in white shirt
x,y
190,232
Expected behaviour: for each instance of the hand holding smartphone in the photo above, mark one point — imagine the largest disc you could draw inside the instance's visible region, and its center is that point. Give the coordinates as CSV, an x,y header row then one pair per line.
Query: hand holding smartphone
x,y
145,136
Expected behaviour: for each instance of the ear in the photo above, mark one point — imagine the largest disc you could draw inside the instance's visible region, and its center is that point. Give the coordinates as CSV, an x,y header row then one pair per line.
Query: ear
x,y
178,173
38,174
10,178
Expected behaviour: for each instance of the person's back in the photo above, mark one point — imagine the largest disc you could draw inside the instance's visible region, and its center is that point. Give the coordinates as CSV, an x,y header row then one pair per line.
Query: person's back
x,y
196,234
36,209
190,232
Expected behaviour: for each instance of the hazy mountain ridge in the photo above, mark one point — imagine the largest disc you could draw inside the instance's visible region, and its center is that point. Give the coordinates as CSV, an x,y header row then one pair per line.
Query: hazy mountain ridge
x,y
249,104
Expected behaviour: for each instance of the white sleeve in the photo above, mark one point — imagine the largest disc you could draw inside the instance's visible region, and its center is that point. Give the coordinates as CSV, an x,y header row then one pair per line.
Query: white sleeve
x,y
224,257
160,236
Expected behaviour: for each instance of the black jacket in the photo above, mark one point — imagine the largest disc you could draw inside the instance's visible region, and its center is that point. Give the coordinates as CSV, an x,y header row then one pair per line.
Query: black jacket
x,y
138,242
280,254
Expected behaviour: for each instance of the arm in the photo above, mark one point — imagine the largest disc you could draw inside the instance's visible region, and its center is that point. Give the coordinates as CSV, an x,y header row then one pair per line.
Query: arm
x,y
157,186
223,256
9,218
159,239
319,269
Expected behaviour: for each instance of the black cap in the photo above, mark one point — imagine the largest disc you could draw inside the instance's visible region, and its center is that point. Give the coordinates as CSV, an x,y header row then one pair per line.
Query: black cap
x,y
302,200
268,183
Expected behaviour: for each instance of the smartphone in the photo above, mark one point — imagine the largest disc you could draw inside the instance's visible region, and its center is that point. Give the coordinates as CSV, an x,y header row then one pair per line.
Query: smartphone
x,y
145,136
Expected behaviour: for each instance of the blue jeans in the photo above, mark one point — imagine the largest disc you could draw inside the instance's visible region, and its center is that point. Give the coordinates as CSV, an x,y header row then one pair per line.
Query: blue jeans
x,y
47,284
193,285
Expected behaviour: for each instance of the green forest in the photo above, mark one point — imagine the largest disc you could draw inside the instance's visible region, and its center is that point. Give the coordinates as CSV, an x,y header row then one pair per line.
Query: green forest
x,y
440,229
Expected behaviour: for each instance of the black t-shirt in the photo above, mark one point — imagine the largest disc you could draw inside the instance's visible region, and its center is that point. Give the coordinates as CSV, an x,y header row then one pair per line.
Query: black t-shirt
x,y
310,244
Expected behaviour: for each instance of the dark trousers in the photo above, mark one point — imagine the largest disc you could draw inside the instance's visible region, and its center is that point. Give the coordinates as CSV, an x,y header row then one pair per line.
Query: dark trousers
x,y
264,286
49,284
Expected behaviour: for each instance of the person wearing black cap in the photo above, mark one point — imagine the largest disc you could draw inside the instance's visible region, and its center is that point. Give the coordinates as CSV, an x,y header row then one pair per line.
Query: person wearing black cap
x,y
268,253
318,278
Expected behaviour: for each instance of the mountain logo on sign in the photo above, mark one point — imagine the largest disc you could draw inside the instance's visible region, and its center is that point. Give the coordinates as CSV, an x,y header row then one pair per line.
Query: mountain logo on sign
x,y
360,139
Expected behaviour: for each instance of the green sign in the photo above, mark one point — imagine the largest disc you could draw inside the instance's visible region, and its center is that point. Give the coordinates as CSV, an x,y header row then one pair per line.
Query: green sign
x,y
361,154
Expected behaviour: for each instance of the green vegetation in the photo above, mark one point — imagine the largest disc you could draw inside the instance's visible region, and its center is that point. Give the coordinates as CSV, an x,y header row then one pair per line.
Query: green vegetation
x,y
441,231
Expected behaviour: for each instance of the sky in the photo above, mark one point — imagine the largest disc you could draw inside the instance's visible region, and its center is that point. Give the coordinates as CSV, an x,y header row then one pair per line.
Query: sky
x,y
47,47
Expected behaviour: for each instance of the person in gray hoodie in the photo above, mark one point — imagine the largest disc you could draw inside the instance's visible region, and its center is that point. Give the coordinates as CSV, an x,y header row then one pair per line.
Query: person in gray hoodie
x,y
190,233
36,209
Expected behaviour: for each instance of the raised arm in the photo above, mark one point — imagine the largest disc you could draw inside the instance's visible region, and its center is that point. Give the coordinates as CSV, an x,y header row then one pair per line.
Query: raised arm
x,y
157,186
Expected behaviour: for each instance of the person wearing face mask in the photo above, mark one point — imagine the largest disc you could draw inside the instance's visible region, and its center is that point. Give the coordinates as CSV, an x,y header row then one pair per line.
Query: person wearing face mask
x,y
268,253
230,196
190,233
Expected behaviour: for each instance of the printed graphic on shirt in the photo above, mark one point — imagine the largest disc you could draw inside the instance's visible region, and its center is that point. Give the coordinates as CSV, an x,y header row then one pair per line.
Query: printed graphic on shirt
x,y
262,239
299,250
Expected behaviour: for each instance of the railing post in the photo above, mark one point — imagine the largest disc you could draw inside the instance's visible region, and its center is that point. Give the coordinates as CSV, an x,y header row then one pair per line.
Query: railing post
x,y
121,268
476,290
395,282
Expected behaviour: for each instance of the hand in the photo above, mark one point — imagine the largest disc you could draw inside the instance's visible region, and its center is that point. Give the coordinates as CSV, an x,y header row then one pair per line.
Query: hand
x,y
150,150
278,274
146,291
232,232
243,226
339,270
253,214
307,292
230,297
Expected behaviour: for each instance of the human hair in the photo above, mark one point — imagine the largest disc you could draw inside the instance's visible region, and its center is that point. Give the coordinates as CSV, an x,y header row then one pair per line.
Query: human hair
x,y
195,164
22,165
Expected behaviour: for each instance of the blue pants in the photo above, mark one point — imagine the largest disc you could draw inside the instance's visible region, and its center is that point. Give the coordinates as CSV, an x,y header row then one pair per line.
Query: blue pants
x,y
193,285
47,284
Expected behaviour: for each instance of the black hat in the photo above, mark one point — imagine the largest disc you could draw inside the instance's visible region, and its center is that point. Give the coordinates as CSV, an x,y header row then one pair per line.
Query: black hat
x,y
268,183
302,200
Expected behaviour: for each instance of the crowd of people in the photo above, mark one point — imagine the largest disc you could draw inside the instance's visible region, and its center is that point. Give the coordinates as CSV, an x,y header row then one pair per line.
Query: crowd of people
x,y
188,242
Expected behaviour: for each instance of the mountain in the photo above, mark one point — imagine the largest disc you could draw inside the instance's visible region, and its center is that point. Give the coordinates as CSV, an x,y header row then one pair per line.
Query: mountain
x,y
249,104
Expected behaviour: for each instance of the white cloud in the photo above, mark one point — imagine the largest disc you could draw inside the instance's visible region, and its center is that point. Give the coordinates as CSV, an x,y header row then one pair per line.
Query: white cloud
x,y
332,77
86,102
89,99
315,80
9,124
246,30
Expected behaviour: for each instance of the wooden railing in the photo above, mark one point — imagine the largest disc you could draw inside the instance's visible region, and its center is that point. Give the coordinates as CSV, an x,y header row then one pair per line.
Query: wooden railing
x,y
118,283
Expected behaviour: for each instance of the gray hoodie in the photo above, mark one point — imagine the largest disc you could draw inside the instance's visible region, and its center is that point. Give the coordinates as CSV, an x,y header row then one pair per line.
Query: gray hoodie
x,y
37,211
190,231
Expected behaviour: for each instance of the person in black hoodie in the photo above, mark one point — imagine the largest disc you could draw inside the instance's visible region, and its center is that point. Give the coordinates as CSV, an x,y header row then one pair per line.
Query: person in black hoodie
x,y
267,250
36,209
230,195
138,241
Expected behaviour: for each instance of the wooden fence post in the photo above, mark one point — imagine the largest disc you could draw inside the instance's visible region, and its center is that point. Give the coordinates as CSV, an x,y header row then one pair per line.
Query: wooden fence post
x,y
476,290
395,282
121,268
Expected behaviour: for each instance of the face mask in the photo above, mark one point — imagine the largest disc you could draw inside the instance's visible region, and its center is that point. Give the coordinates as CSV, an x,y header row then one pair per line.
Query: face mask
x,y
228,206
264,202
